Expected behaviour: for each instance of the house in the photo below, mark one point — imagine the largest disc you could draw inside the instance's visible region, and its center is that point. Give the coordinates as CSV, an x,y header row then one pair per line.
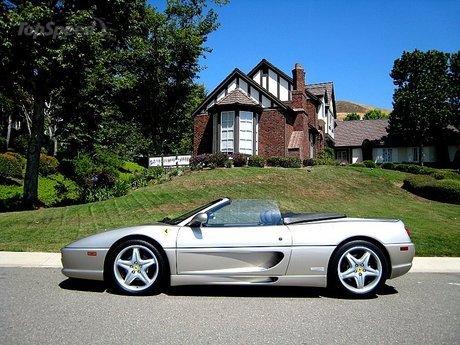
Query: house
x,y
356,141
266,112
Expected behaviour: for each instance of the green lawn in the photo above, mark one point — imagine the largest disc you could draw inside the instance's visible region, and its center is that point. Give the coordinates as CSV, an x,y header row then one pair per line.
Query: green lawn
x,y
357,192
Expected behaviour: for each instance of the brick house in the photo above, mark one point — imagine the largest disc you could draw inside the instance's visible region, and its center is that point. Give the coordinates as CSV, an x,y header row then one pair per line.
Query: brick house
x,y
266,112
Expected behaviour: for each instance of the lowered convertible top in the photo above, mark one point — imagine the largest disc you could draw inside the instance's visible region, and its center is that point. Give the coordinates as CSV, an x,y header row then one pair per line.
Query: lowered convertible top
x,y
293,218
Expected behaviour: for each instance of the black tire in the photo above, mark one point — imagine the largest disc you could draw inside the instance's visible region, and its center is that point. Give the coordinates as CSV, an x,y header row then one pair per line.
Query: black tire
x,y
358,268
135,267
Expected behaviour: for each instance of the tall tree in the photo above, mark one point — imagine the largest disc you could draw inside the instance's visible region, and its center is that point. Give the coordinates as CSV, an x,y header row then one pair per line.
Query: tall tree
x,y
421,108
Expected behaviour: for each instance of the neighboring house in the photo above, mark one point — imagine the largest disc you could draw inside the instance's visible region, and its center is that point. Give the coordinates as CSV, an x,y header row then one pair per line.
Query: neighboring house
x,y
266,112
360,140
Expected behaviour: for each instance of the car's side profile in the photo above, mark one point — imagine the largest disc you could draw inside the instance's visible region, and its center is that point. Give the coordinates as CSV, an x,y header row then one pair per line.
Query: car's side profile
x,y
246,242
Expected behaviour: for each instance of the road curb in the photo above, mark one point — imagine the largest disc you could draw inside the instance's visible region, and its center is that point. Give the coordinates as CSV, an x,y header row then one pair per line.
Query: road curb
x,y
53,260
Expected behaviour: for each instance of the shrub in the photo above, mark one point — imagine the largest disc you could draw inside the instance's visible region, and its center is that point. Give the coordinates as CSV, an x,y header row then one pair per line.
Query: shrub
x,y
430,188
229,164
256,161
388,166
153,173
48,165
370,164
309,162
239,160
284,162
359,165
217,159
10,166
2,144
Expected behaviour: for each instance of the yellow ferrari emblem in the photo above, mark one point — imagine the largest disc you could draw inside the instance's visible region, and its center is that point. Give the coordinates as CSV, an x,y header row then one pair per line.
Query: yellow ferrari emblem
x,y
166,231
136,268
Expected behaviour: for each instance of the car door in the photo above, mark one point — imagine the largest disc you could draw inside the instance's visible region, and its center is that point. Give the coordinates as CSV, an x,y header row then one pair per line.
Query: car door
x,y
235,243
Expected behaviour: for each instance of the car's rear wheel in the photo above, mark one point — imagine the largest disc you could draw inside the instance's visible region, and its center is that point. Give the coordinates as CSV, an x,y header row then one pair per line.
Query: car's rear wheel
x,y
359,268
136,267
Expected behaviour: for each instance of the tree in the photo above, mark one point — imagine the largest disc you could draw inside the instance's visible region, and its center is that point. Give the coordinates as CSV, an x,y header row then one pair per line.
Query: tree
x,y
421,109
115,74
454,96
375,114
352,117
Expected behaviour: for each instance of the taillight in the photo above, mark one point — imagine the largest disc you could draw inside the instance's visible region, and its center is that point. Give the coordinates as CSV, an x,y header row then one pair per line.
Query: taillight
x,y
408,232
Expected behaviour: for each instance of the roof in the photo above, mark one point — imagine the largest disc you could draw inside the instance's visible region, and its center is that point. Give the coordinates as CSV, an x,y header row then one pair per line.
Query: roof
x,y
320,88
353,133
264,62
237,97
296,140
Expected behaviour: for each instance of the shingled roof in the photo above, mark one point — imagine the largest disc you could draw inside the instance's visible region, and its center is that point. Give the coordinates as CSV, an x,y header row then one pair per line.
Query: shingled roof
x,y
237,97
353,133
320,88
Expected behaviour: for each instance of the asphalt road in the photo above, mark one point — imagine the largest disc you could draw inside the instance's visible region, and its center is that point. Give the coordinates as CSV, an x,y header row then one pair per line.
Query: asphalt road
x,y
40,306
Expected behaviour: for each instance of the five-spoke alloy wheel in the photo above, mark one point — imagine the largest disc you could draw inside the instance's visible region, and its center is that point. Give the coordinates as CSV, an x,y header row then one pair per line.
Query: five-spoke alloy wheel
x,y
136,267
359,268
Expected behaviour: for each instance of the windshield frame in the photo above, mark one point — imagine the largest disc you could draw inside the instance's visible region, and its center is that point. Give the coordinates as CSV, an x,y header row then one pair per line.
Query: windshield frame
x,y
185,216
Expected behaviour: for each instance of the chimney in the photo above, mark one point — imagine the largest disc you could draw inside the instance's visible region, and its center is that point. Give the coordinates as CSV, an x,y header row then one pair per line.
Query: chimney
x,y
298,74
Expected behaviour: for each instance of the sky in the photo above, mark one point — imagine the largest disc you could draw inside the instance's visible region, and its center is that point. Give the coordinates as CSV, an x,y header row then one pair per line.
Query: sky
x,y
351,42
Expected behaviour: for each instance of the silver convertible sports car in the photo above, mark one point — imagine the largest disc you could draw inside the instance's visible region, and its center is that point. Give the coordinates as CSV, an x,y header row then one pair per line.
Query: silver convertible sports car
x,y
245,242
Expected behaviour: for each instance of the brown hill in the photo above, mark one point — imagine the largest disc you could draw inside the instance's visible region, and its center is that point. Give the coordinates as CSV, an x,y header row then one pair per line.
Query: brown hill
x,y
345,107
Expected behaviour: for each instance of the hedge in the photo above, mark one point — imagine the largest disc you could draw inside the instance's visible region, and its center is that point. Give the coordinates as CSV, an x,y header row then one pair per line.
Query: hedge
x,y
284,162
256,161
439,190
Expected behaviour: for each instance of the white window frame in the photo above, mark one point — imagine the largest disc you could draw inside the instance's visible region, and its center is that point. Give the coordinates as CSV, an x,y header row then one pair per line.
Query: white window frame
x,y
227,127
251,131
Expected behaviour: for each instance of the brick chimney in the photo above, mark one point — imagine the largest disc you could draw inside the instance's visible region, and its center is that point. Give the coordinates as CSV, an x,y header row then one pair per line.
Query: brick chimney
x,y
298,75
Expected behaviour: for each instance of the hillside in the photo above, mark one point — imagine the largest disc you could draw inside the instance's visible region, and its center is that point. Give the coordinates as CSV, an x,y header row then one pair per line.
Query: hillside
x,y
357,192
345,107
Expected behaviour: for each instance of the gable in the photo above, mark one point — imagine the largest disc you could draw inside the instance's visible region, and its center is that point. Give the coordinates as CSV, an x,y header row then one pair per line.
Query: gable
x,y
272,79
237,80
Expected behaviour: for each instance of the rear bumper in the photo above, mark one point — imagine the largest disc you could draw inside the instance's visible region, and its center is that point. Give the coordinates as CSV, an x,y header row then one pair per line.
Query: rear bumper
x,y
401,256
83,263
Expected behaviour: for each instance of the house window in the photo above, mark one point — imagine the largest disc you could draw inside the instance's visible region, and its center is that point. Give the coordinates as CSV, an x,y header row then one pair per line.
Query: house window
x,y
246,132
342,156
227,122
387,155
415,156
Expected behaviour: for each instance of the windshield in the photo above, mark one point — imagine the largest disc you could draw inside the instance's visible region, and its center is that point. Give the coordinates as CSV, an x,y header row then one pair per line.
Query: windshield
x,y
183,217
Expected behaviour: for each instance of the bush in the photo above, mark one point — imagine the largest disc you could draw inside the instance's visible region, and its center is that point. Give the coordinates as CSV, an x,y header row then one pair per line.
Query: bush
x,y
370,164
217,159
430,188
2,144
309,162
388,166
284,162
48,165
10,166
239,160
199,162
229,164
359,165
67,168
256,161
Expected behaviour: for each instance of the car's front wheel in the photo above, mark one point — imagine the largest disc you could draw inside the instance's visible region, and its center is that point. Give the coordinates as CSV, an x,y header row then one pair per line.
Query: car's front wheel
x,y
359,268
136,267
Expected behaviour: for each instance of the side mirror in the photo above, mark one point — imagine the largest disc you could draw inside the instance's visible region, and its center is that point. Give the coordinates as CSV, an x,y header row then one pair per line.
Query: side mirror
x,y
199,219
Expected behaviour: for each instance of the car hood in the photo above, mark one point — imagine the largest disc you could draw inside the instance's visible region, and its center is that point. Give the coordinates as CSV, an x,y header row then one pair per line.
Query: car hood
x,y
162,233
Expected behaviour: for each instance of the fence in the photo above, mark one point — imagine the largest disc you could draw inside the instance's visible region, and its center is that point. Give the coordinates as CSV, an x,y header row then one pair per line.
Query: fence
x,y
170,161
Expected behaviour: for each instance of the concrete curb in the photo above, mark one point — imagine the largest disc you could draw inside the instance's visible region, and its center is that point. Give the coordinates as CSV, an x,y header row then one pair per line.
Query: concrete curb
x,y
53,260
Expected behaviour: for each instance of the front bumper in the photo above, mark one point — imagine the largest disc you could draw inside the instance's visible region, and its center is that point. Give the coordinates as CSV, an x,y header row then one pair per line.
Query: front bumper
x,y
83,263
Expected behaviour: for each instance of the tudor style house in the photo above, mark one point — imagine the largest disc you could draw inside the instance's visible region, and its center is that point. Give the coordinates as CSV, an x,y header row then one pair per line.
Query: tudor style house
x,y
266,112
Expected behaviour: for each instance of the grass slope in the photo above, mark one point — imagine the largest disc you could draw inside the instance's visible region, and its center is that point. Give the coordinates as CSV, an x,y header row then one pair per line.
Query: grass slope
x,y
357,192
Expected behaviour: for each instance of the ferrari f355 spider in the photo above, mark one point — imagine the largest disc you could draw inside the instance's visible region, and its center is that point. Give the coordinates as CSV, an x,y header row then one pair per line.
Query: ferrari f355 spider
x,y
245,242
